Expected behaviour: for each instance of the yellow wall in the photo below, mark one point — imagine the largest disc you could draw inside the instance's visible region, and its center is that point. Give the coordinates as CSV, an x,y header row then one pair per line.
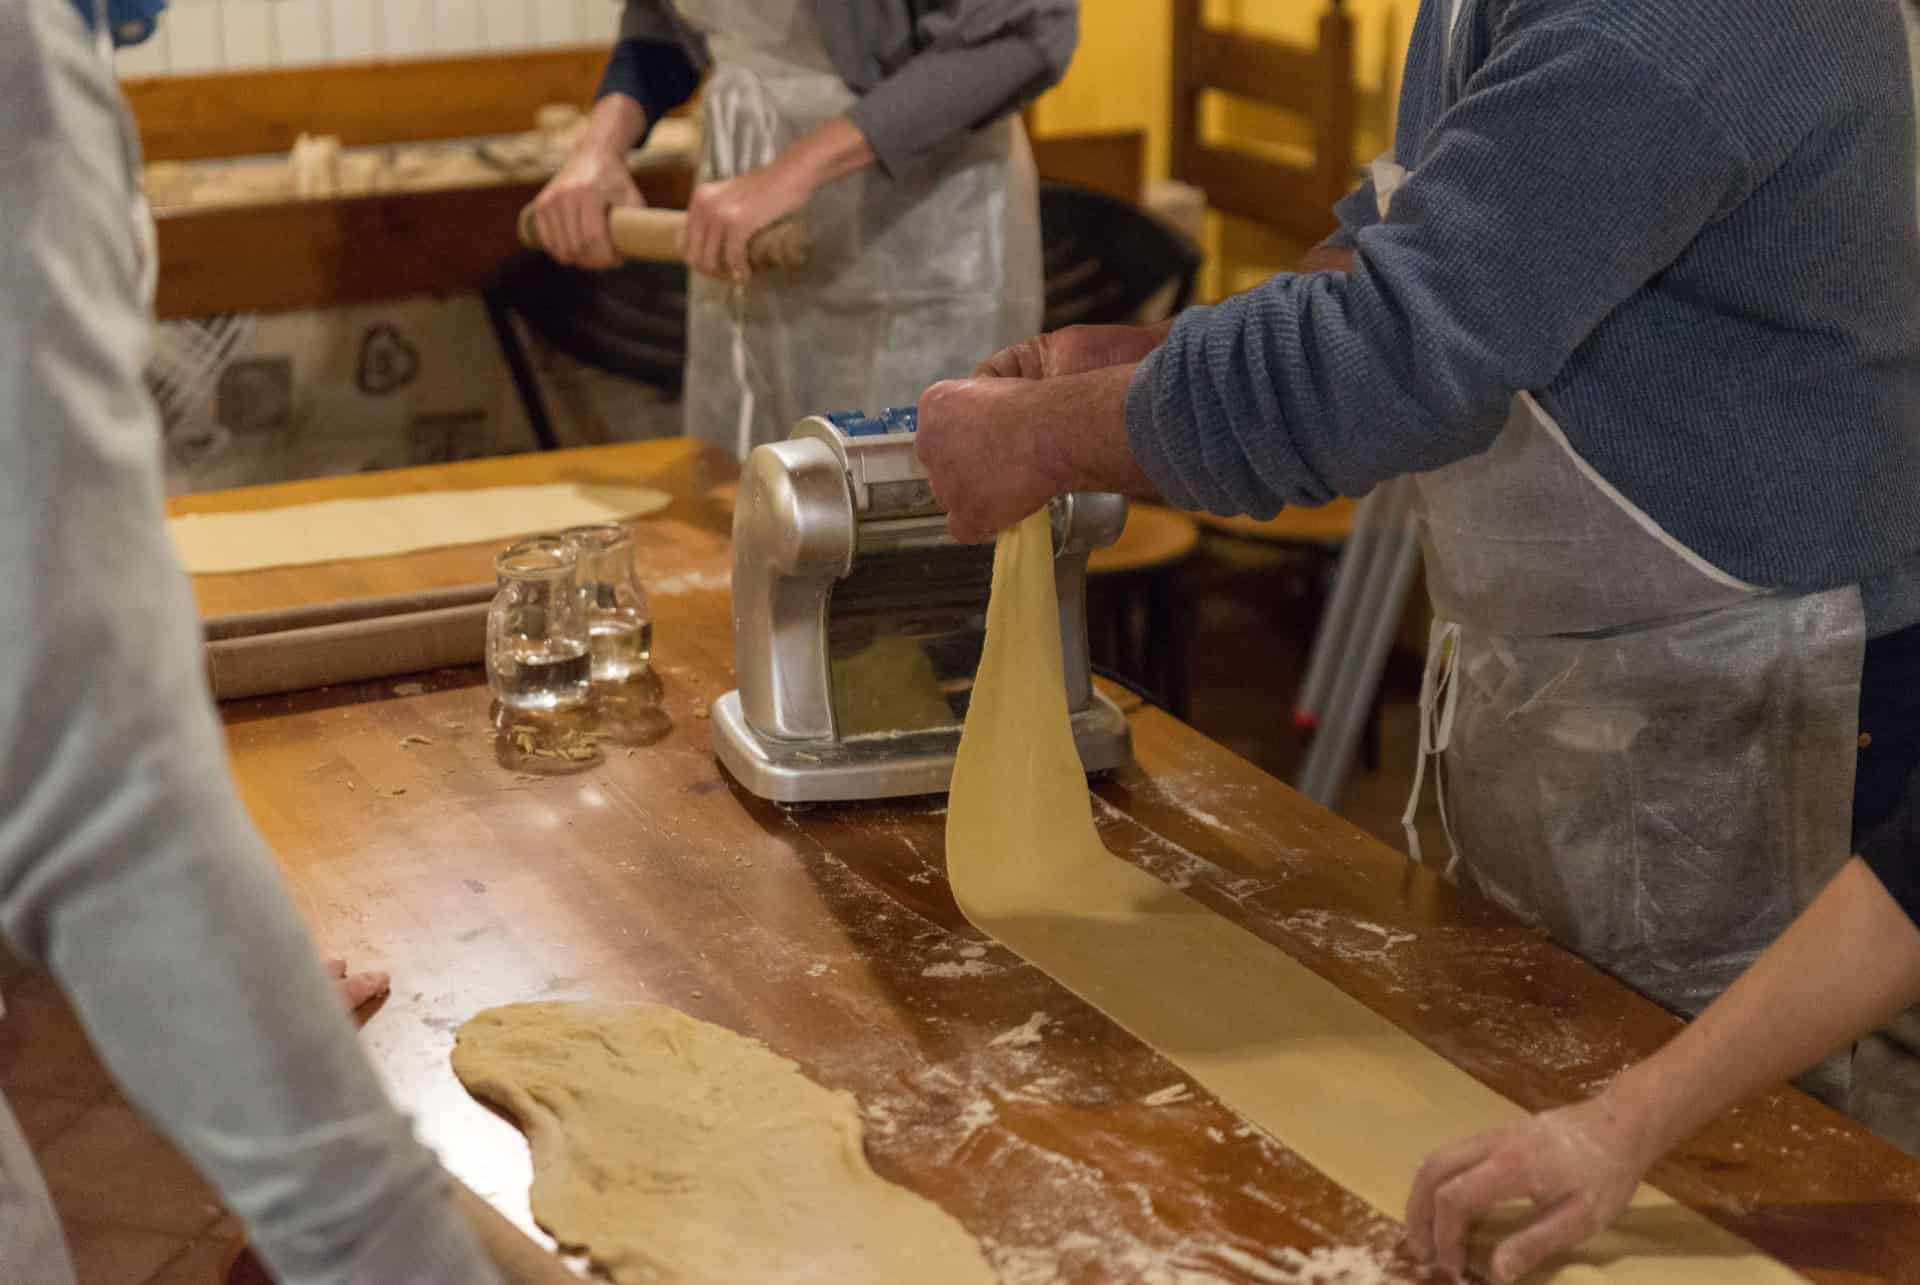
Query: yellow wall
x,y
1120,80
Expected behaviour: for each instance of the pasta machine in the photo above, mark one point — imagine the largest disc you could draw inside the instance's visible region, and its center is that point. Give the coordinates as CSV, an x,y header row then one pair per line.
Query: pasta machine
x,y
858,622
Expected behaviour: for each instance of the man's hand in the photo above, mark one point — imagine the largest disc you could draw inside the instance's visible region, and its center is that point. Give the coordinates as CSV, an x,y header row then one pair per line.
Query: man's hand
x,y
1073,351
997,449
357,989
1578,1166
725,215
571,211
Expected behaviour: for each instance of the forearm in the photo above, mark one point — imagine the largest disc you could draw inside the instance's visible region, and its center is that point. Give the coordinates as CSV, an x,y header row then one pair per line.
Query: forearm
x,y
614,127
941,93
1848,963
1085,449
832,151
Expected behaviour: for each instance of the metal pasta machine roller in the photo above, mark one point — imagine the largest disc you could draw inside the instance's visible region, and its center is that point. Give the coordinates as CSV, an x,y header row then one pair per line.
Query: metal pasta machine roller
x,y
858,622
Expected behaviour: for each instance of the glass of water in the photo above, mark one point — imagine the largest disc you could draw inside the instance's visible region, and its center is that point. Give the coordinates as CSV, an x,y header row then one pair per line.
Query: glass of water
x,y
619,627
537,643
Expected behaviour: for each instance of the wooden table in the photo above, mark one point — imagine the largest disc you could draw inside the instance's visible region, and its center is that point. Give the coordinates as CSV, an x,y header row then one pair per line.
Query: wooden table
x,y
831,935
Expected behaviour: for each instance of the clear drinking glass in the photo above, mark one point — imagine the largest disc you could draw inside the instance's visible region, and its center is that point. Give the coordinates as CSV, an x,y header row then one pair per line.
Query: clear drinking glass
x,y
537,643
619,628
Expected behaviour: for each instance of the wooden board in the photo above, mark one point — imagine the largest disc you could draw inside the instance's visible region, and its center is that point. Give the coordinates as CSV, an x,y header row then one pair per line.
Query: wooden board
x,y
283,255
831,934
253,113
1114,163
342,250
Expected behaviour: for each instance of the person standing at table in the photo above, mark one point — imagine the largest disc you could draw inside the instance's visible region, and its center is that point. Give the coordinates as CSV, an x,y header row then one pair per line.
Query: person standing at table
x,y
890,128
1633,301
128,866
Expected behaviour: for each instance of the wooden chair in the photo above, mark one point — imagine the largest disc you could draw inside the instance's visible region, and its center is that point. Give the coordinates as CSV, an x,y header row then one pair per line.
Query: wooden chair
x,y
1297,200
1316,82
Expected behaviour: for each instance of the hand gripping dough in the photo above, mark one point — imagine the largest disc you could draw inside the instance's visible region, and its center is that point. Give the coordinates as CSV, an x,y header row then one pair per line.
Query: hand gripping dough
x,y
676,1152
1353,1094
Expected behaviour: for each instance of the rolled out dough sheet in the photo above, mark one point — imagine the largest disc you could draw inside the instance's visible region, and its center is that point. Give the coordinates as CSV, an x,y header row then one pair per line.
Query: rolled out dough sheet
x,y
338,530
1354,1095
676,1152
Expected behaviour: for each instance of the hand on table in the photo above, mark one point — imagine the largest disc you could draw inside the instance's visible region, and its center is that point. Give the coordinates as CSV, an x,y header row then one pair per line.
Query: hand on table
x,y
1578,1166
358,989
1074,350
725,215
571,210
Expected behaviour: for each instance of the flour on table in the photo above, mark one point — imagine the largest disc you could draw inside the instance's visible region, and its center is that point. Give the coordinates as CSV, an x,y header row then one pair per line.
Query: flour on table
x,y
1024,1035
964,968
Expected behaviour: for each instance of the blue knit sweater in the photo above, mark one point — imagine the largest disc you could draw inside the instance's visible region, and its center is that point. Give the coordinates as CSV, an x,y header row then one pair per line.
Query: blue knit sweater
x,y
1687,227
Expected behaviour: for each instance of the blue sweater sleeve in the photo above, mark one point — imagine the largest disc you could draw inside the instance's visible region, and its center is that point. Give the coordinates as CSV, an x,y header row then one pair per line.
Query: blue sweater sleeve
x,y
658,74
1571,171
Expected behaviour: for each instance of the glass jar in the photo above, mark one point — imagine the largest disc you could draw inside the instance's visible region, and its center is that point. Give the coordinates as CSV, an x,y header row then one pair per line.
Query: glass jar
x,y
619,627
537,643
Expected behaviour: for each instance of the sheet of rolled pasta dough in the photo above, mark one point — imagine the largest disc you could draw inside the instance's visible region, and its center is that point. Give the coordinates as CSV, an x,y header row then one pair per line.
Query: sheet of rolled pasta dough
x,y
1347,1090
338,530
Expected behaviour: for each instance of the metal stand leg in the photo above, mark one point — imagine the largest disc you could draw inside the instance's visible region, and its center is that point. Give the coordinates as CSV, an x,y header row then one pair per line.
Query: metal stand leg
x,y
1378,604
1336,619
524,381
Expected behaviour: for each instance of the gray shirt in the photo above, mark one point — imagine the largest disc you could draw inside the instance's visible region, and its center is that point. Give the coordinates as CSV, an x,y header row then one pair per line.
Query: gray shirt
x,y
925,70
127,865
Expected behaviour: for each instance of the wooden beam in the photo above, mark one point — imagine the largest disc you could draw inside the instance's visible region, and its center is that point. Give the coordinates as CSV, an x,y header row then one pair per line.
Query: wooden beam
x,y
1284,197
1268,71
1336,112
260,112
319,253
1114,163
1185,101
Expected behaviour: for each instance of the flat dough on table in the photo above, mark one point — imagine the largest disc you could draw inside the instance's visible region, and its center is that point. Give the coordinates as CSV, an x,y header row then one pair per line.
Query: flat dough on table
x,y
676,1151
1351,1093
337,530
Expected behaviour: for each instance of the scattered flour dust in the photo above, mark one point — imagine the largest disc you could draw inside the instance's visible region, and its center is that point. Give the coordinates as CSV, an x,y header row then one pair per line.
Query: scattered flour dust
x,y
691,582
971,961
1345,936
965,968
1028,1033
1195,1265
818,970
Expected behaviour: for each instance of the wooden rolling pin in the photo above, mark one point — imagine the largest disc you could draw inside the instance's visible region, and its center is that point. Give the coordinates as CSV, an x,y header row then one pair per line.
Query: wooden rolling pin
x,y
660,236
346,651
251,623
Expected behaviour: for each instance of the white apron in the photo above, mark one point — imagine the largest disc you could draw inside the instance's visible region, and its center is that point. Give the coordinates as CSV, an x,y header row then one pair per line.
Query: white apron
x,y
913,281
1640,753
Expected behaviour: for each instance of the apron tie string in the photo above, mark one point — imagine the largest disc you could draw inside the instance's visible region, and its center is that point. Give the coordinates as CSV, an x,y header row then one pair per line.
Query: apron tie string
x,y
1439,699
729,162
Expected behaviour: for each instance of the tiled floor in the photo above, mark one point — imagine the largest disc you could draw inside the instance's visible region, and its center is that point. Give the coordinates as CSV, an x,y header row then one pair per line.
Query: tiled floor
x,y
137,1214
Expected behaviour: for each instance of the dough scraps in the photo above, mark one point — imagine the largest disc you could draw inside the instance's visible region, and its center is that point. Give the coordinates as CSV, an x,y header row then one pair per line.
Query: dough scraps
x,y
673,1150
336,530
1350,1092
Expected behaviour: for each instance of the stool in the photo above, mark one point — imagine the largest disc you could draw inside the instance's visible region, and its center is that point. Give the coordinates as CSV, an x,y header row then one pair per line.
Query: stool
x,y
1135,617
